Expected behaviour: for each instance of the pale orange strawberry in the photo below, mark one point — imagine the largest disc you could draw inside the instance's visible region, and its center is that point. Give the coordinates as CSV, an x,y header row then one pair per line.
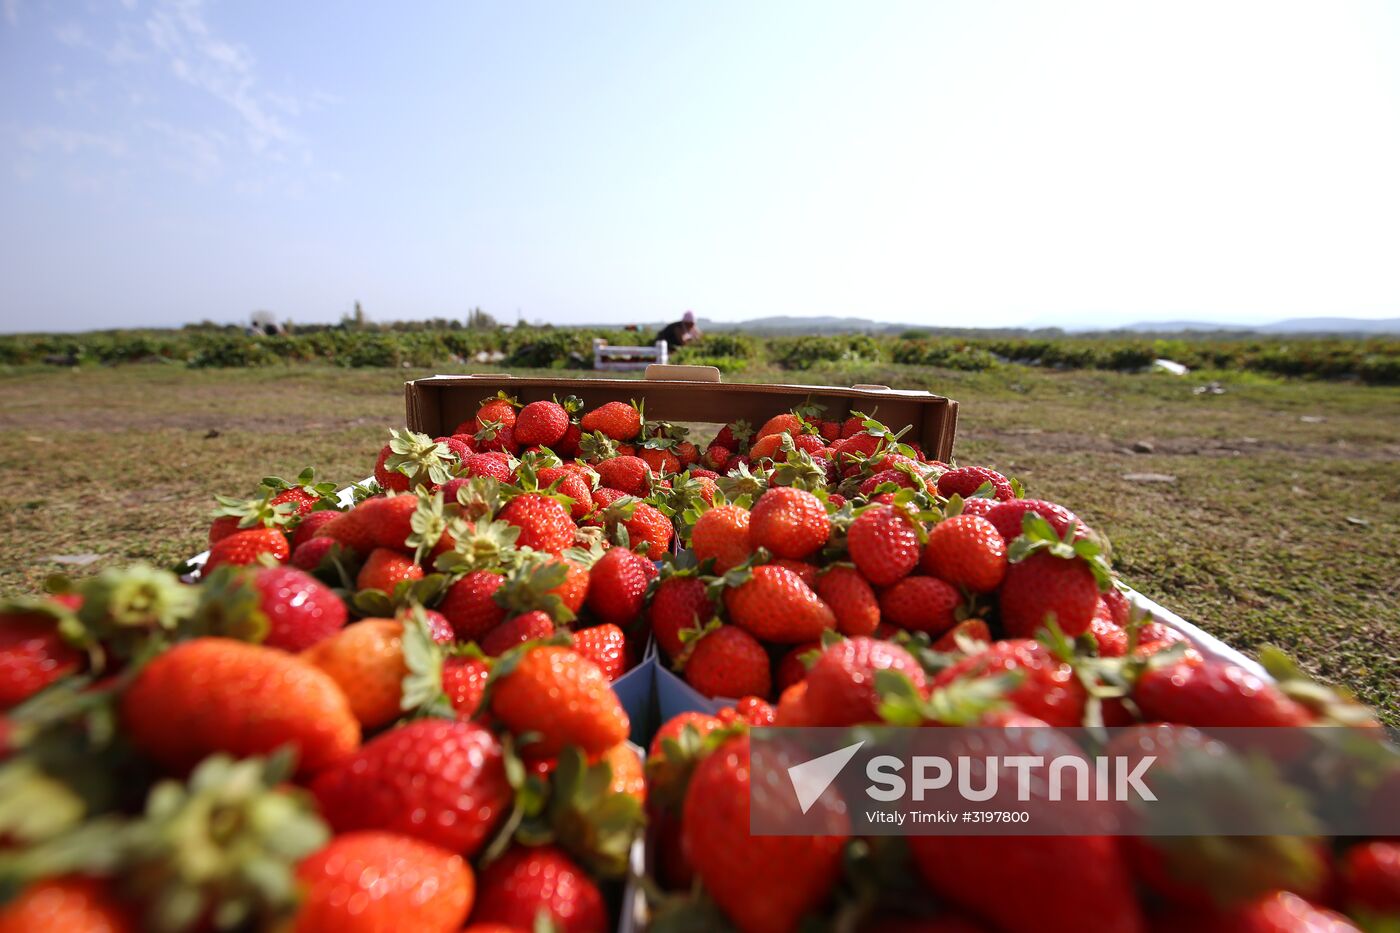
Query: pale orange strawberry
x,y
775,605
366,660
562,698
618,420
70,904
385,569
218,695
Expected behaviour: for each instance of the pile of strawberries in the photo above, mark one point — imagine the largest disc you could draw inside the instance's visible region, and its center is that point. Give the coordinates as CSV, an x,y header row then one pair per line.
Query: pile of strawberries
x,y
395,713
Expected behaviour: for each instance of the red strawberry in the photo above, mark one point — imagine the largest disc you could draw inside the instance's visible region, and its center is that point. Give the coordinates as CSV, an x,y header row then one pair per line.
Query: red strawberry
x,y
921,604
439,629
1058,884
765,884
717,457
373,882
495,410
541,423
628,474
563,699
722,534
32,656
245,547
789,522
680,602
775,605
437,780
883,544
650,527
1112,640
541,881
1044,585
571,484
965,481
300,609
493,464
793,667
385,569
617,585
544,524
728,662
660,461
876,480
567,446
391,480
841,683
966,551
1370,875
469,604
605,646
851,600
618,420
458,446
381,521
464,683
1215,694
753,710
217,695
806,572
734,436
528,626
496,437
1009,516
1278,912
983,508
974,629
310,526
71,904
785,423
1049,690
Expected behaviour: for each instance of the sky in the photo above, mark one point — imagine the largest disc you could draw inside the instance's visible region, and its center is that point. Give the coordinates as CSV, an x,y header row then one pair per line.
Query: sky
x,y
978,163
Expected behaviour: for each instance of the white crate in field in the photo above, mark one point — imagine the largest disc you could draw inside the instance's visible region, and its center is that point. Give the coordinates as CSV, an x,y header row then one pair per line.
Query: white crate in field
x,y
609,357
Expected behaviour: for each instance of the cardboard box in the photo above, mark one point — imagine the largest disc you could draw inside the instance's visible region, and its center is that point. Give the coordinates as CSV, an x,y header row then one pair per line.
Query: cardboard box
x,y
436,405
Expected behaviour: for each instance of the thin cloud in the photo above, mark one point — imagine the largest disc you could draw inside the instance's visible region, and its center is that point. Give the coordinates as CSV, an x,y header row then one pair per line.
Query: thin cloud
x,y
11,8
48,139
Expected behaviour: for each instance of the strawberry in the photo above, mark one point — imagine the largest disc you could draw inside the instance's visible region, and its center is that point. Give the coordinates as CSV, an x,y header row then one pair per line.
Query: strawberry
x,y
1009,516
965,481
469,606
921,604
540,881
973,629
544,524
966,551
459,447
1045,585
789,522
618,420
631,475
310,526
649,526
492,411
735,436
32,655
1058,884
1277,912
1215,694
791,710
440,781
217,695
876,480
381,521
605,646
246,547
851,599
1370,876
841,682
617,585
765,884
464,684
722,535
773,604
568,445
1117,604
391,480
385,569
660,461
310,556
717,457
883,544
1049,689
753,710
562,698
371,882
679,603
687,454
71,904
728,662
768,446
806,572
541,423
495,437
366,661
983,508
785,423
493,464
528,626
300,609
571,484
793,666
1111,639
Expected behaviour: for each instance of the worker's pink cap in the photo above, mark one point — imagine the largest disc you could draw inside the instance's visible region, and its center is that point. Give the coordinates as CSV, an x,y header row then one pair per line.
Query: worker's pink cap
x,y
689,317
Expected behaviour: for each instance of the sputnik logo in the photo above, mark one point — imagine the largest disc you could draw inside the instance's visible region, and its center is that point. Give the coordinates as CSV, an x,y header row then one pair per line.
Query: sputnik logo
x,y
811,778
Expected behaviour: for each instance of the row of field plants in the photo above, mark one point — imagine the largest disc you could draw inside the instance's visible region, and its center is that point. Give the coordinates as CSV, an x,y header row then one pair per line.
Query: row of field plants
x,y
1373,360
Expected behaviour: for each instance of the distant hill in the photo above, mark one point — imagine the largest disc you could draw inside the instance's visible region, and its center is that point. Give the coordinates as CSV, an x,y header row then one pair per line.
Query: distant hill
x,y
1297,325
783,324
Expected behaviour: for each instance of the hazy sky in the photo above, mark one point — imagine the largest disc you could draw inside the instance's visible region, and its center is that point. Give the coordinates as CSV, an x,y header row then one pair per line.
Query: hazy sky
x,y
970,163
